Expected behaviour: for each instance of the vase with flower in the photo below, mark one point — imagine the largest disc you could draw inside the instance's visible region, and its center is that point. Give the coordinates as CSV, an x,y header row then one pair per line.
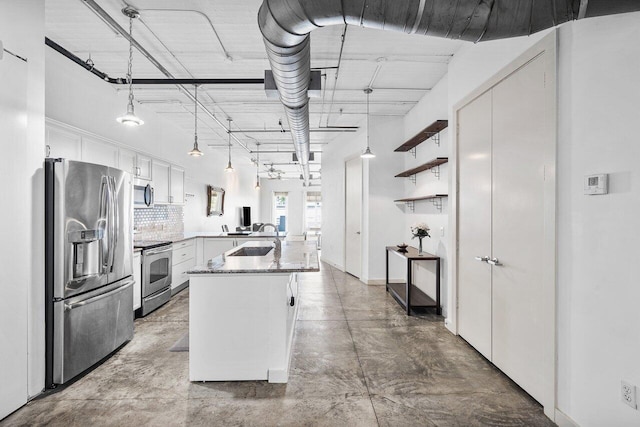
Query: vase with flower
x,y
420,230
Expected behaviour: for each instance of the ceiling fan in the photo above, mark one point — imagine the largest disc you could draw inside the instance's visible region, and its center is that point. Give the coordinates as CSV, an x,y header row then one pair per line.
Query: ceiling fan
x,y
274,173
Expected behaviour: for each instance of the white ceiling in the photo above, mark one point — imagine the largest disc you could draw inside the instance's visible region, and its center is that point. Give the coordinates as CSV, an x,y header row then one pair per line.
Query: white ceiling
x,y
184,41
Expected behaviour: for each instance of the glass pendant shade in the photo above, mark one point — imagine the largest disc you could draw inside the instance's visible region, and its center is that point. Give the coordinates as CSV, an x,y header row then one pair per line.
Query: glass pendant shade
x,y
195,152
130,118
229,168
367,154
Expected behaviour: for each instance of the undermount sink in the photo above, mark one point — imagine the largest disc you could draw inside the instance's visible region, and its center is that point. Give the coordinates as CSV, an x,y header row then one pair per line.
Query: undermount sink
x,y
252,251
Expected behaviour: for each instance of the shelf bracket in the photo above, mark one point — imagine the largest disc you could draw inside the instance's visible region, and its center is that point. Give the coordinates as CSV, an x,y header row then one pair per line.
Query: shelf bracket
x,y
436,139
413,178
411,206
437,202
414,152
436,171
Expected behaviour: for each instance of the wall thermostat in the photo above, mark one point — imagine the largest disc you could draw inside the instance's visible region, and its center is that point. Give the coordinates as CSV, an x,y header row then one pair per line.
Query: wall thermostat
x,y
596,184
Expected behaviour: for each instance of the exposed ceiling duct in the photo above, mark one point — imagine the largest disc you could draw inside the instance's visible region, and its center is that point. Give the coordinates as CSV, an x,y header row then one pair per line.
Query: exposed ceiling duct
x,y
286,24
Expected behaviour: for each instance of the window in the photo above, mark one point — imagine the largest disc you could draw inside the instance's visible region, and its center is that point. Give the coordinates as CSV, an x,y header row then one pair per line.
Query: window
x,y
280,210
313,211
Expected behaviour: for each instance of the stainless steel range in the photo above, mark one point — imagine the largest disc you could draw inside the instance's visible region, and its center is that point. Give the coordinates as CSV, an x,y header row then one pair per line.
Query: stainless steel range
x,y
156,274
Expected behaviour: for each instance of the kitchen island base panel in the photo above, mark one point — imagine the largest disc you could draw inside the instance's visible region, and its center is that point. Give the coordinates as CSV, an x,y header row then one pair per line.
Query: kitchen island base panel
x,y
241,326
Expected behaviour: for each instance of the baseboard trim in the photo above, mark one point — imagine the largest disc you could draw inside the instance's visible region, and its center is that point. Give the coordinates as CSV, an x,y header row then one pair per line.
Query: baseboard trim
x,y
332,264
179,288
563,420
383,281
278,376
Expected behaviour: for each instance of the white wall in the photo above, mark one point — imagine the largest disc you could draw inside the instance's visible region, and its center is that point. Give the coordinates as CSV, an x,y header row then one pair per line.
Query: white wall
x,y
22,32
383,221
78,98
598,269
432,107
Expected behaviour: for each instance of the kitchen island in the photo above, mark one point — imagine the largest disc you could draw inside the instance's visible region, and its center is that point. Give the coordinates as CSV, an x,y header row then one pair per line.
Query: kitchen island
x,y
242,311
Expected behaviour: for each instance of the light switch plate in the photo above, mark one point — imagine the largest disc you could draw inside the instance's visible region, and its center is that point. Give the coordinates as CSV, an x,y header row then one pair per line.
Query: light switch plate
x,y
596,184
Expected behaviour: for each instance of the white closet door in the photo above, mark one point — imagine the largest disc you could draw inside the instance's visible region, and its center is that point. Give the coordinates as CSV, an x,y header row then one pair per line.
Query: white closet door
x,y
353,214
474,227
521,309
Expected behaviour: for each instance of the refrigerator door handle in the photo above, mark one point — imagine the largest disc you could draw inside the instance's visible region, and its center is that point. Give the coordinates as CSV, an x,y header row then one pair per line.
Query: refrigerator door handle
x,y
114,223
69,307
104,222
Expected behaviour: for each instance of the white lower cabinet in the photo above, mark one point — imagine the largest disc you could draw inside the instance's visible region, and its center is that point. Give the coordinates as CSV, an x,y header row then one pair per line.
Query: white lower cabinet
x,y
137,276
184,258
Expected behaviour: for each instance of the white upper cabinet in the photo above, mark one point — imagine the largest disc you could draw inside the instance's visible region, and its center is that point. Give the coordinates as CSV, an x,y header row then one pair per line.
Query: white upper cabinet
x,y
143,163
135,163
99,152
176,195
127,161
63,144
160,172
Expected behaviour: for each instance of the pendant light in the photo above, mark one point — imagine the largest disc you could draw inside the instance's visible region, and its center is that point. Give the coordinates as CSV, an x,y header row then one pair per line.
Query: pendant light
x,y
130,118
196,152
229,168
257,166
367,154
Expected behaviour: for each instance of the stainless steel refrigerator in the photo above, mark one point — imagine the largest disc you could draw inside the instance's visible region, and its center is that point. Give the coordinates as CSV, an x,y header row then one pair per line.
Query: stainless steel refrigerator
x,y
88,269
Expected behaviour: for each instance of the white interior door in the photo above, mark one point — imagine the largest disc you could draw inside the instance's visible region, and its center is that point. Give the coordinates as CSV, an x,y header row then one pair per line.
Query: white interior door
x,y
522,299
474,227
353,217
15,261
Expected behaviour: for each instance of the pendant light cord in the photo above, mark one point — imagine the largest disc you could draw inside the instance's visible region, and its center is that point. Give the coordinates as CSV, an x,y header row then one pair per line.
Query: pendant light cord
x,y
130,66
195,113
229,132
368,93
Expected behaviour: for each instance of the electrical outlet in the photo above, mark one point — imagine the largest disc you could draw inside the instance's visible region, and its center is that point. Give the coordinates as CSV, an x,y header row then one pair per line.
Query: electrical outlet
x,y
628,394
442,231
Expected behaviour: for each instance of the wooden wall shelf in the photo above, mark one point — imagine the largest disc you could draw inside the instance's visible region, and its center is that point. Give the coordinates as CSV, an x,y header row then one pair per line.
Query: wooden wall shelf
x,y
416,199
429,165
426,133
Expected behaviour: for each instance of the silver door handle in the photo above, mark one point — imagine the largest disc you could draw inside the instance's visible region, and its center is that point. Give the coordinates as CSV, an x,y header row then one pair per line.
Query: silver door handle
x,y
158,251
494,261
482,258
71,306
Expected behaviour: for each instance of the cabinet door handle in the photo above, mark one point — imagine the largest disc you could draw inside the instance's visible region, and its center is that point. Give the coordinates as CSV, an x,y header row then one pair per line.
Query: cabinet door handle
x,y
494,261
482,258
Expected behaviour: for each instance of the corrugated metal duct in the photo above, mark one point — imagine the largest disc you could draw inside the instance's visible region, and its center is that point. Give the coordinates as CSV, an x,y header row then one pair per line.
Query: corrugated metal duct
x,y
286,24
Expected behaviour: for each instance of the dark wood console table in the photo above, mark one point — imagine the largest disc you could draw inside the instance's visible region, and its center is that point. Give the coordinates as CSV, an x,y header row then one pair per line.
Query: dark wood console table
x,y
407,294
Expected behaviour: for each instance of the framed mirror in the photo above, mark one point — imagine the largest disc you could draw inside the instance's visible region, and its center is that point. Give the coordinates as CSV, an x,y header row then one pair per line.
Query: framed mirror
x,y
215,201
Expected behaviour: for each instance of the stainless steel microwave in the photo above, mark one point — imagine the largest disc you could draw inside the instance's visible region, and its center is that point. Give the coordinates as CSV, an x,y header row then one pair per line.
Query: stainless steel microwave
x,y
142,194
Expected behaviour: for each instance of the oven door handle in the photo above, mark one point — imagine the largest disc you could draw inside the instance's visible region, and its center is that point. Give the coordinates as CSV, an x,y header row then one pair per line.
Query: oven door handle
x,y
158,295
158,251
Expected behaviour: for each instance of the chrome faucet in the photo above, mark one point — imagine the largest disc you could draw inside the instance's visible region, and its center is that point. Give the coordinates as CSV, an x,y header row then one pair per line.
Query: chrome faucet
x,y
277,252
272,225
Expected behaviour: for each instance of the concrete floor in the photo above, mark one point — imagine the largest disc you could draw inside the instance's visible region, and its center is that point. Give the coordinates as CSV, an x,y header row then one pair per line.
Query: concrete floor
x,y
358,361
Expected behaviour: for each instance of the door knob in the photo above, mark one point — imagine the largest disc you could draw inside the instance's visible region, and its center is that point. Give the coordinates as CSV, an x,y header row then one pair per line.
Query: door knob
x,y
357,232
494,261
482,258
